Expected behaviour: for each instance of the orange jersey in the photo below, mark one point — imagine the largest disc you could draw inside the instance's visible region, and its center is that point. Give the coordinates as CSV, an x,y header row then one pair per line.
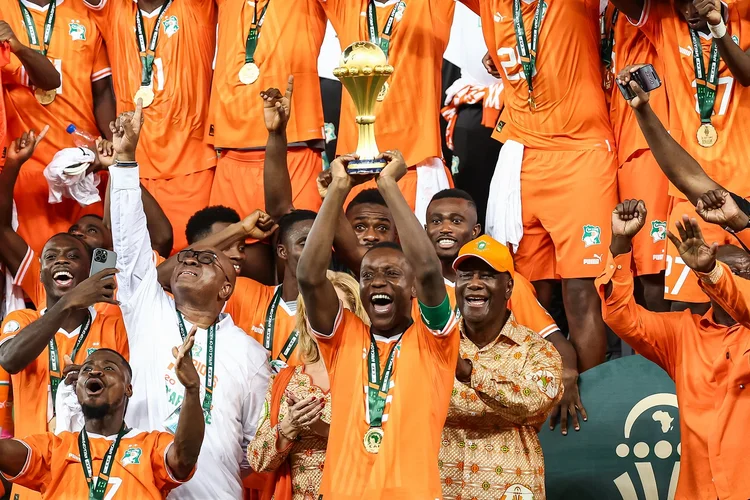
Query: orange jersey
x,y
171,143
139,470
407,119
571,109
523,304
248,307
289,44
631,47
667,30
78,53
31,386
421,386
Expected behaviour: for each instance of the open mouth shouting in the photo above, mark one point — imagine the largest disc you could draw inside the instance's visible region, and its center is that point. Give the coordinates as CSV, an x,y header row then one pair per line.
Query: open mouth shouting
x,y
447,242
63,278
94,387
382,303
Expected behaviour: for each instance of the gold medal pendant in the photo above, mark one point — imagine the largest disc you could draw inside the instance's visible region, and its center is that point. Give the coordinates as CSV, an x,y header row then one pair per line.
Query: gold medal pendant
x,y
532,103
373,439
707,135
45,97
249,73
146,94
608,77
383,92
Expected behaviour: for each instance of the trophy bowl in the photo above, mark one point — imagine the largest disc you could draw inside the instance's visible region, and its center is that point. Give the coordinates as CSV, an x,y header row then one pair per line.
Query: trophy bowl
x,y
363,70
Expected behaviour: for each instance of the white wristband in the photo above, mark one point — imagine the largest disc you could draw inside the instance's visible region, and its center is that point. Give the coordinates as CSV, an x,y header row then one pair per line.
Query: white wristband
x,y
719,30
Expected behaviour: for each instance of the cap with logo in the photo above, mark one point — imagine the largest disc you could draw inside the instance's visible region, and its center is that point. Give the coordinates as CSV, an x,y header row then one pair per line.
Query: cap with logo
x,y
492,252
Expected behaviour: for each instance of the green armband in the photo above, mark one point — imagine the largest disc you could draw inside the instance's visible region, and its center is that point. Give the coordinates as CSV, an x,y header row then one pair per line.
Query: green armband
x,y
436,317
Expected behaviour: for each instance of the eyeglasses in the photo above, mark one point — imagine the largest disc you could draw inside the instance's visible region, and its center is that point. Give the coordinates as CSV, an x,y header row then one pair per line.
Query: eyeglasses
x,y
204,257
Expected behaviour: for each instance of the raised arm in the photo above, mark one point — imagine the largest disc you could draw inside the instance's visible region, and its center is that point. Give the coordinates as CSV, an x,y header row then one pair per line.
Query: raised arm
x,y
13,248
188,438
680,168
737,59
277,186
40,70
417,246
319,295
21,349
130,236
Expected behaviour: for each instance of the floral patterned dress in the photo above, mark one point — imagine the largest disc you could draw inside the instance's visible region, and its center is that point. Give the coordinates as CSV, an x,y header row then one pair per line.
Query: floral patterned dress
x,y
306,454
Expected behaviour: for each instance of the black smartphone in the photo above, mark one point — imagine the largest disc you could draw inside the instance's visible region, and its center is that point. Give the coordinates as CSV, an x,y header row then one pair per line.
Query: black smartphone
x,y
646,77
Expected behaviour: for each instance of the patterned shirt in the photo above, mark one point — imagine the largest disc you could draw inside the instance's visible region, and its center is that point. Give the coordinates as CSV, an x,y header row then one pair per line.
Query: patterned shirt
x,y
306,454
490,447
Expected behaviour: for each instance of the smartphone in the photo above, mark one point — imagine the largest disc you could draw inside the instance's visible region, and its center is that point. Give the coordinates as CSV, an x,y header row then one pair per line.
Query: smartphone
x,y
646,77
102,259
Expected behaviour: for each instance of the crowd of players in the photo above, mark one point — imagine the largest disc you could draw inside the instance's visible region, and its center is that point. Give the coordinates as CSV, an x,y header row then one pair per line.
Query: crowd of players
x,y
231,294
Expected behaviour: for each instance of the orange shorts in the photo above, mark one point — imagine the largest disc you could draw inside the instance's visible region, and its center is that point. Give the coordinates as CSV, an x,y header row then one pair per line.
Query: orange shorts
x,y
239,179
407,185
567,198
680,282
180,197
37,219
641,178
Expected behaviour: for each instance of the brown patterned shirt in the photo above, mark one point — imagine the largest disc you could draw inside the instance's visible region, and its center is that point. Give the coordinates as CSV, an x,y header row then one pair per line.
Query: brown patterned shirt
x,y
490,447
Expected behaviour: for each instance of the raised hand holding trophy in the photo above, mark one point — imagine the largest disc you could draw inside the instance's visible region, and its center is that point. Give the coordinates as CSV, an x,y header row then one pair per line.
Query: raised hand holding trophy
x,y
363,70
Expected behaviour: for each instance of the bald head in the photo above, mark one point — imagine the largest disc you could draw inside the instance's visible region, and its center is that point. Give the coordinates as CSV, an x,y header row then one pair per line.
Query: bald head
x,y
736,259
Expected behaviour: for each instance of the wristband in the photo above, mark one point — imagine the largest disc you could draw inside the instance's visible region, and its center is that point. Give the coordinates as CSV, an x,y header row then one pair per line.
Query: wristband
x,y
126,163
713,276
719,30
438,316
278,429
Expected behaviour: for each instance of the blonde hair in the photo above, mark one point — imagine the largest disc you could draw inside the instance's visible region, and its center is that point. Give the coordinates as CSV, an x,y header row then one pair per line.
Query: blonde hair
x,y
308,349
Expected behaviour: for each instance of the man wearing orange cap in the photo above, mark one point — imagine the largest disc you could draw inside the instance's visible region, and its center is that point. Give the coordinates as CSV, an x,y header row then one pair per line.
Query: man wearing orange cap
x,y
507,411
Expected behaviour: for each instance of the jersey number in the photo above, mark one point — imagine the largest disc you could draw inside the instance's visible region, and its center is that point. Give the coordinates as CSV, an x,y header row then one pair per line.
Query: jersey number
x,y
159,73
114,485
680,279
727,82
512,62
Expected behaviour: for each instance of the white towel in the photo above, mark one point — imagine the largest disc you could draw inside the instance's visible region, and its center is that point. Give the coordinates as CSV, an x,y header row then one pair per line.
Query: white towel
x,y
13,296
69,415
431,178
504,219
67,178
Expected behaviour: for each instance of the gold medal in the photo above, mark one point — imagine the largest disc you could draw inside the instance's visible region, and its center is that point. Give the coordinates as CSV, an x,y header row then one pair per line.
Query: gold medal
x,y
532,103
373,439
146,94
707,135
249,73
608,77
45,97
383,92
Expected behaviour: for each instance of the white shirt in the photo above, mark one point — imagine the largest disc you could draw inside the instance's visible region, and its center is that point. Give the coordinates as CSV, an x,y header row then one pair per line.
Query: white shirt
x,y
241,372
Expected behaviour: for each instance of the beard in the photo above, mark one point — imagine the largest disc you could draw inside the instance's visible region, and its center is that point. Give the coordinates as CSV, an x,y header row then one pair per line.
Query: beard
x,y
91,412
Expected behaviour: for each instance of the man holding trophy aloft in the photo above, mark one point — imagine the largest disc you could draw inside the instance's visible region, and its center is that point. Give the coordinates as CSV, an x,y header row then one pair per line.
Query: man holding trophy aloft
x,y
413,35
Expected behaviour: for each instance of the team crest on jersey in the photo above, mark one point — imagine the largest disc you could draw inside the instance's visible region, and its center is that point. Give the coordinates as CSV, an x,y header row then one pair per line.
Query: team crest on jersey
x,y
197,350
658,230
736,39
76,30
132,456
12,326
90,351
591,235
171,26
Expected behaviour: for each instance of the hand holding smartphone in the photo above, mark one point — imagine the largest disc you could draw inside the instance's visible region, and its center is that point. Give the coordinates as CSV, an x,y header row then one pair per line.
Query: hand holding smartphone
x,y
645,77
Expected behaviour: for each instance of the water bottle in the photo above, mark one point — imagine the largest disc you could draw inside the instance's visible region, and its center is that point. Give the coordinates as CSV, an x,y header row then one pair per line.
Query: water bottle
x,y
81,138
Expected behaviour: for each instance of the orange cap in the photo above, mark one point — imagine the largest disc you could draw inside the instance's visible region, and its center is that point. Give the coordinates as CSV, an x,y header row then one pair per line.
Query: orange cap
x,y
494,253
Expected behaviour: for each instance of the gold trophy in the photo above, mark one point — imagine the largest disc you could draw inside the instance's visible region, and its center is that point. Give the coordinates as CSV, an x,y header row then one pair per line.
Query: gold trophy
x,y
363,70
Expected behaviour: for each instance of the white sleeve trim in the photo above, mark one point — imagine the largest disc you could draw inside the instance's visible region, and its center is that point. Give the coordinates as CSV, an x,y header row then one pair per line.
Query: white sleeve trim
x,y
644,14
452,322
95,7
101,75
336,324
549,330
6,339
21,273
25,466
169,469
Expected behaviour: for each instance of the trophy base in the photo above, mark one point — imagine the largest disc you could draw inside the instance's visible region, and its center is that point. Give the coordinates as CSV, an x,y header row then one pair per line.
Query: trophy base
x,y
365,167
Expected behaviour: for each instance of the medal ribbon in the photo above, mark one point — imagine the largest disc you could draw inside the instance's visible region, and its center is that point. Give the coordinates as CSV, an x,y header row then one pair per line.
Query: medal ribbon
x,y
55,371
706,83
377,388
528,53
49,24
270,328
98,487
147,53
383,40
252,36
210,360
608,38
